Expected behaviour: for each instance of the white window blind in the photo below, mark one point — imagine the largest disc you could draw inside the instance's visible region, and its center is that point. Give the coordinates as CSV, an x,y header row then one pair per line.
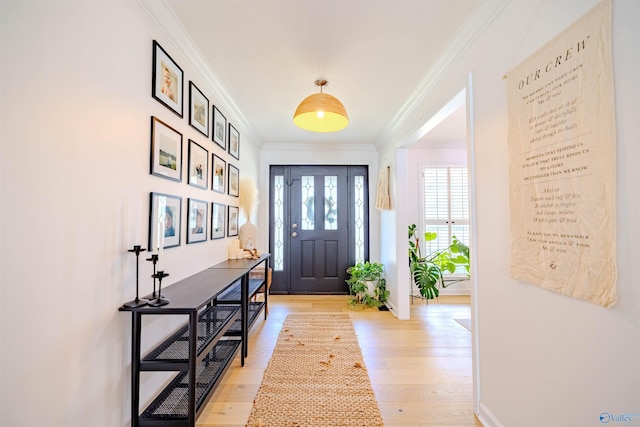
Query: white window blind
x,y
446,205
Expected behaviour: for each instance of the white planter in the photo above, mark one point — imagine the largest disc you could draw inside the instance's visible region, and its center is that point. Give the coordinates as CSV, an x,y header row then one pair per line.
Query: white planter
x,y
371,288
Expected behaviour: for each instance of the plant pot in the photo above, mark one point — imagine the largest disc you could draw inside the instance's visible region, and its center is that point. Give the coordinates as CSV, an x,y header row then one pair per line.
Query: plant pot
x,y
372,285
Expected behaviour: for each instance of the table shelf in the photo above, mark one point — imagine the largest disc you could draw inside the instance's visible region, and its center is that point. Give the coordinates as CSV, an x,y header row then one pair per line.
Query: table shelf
x,y
173,353
254,310
172,404
203,348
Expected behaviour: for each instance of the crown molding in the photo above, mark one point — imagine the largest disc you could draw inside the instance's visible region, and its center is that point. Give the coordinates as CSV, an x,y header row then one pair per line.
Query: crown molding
x,y
319,147
482,15
169,24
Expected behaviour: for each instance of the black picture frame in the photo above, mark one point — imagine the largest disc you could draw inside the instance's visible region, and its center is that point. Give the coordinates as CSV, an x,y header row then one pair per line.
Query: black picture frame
x,y
198,165
218,174
233,181
198,110
232,221
197,221
167,80
165,214
234,142
218,220
166,151
219,128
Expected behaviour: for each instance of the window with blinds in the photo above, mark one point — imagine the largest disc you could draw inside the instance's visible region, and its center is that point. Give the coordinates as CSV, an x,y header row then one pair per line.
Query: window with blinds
x,y
446,206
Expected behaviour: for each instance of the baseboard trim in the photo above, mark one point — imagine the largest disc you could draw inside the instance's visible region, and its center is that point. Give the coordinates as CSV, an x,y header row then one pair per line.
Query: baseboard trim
x,y
487,418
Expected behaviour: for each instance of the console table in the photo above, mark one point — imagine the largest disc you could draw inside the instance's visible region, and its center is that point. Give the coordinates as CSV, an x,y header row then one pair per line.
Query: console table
x,y
250,286
202,349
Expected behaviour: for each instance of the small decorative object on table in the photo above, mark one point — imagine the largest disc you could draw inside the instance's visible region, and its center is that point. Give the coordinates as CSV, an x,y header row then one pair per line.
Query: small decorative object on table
x,y
247,202
160,300
138,302
154,259
251,253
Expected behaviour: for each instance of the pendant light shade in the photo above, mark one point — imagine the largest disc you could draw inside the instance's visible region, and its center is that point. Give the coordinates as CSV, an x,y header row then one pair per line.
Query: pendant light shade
x,y
321,112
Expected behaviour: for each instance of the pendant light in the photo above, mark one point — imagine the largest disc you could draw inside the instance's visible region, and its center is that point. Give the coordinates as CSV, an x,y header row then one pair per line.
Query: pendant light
x,y
321,112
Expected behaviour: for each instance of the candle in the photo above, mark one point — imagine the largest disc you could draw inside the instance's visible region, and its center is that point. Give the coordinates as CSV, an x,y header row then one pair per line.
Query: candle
x,y
138,221
156,241
161,245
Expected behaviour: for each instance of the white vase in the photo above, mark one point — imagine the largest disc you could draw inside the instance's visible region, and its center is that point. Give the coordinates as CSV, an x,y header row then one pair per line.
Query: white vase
x,y
371,288
248,235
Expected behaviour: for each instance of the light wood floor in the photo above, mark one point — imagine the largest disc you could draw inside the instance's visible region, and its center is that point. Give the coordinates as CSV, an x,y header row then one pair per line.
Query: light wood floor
x,y
420,369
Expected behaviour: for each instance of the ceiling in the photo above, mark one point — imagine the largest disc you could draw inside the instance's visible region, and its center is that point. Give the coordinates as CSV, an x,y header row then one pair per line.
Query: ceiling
x,y
375,55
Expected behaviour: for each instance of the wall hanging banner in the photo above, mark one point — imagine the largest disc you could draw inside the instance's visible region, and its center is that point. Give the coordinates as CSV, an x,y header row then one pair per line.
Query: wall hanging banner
x,y
562,163
383,200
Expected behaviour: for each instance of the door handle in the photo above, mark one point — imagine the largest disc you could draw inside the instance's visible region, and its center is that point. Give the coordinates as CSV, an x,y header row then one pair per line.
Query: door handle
x,y
294,234
294,225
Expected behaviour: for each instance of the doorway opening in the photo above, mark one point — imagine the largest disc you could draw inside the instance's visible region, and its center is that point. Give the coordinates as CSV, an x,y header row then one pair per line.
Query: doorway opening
x,y
437,143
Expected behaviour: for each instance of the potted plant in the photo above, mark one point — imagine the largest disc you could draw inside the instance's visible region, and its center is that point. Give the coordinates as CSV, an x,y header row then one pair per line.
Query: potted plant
x,y
427,272
366,284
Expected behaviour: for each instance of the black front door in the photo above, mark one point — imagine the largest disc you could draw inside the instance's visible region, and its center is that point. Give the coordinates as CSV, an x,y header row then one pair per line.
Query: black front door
x,y
318,226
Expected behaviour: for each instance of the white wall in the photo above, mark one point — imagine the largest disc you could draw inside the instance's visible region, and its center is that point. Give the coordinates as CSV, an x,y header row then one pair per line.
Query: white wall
x,y
544,359
75,184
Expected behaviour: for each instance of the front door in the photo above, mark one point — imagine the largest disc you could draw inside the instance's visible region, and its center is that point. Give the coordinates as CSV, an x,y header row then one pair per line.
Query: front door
x,y
318,226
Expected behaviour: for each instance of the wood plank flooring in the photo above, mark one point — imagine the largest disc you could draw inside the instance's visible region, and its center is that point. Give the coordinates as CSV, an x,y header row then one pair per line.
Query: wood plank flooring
x,y
420,369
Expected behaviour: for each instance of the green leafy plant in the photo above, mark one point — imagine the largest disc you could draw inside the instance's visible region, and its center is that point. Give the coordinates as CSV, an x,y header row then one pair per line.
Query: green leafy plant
x,y
366,284
427,272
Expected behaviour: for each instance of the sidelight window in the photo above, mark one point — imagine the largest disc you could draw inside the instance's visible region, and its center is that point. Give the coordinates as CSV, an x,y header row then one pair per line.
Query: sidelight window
x,y
359,219
278,222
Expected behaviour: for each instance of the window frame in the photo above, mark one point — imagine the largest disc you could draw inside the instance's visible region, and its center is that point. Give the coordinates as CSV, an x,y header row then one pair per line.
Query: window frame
x,y
421,214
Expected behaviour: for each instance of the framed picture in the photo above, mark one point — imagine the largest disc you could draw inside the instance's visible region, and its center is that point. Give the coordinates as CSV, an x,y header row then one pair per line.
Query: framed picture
x,y
218,212
234,181
167,81
166,150
197,223
234,142
164,221
232,221
198,165
198,110
219,174
219,128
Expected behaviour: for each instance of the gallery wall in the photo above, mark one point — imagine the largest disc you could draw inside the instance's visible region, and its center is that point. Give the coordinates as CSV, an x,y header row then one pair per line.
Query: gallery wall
x,y
75,185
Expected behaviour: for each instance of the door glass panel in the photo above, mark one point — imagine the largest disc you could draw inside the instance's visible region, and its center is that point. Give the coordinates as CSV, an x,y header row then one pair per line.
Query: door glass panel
x,y
358,185
278,222
307,188
330,202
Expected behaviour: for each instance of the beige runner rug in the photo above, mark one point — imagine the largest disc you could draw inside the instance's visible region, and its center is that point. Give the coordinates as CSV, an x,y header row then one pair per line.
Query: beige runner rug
x,y
316,377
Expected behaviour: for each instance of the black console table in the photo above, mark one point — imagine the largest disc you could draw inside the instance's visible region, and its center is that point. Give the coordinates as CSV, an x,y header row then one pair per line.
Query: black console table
x,y
202,349
250,285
